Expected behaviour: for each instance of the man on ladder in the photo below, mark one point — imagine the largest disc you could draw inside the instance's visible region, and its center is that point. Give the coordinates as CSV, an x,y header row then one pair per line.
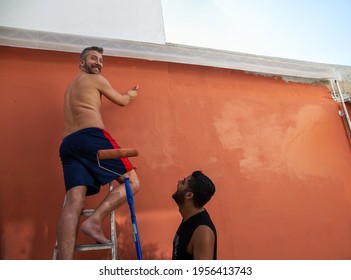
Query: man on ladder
x,y
85,134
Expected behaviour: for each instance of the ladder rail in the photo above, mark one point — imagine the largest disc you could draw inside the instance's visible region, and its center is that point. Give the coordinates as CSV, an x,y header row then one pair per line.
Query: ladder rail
x,y
113,231
345,113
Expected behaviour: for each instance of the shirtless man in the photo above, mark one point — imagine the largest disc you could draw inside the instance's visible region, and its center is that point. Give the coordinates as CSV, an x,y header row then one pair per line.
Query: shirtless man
x,y
85,134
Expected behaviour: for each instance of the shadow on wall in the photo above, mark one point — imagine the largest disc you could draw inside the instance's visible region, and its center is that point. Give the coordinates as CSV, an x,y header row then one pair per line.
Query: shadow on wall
x,y
126,245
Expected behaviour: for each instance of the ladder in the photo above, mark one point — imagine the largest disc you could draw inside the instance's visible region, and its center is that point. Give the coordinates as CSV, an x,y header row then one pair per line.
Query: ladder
x,y
97,246
342,98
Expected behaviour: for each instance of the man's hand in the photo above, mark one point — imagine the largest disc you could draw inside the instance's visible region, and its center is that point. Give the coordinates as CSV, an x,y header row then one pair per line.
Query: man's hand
x,y
133,92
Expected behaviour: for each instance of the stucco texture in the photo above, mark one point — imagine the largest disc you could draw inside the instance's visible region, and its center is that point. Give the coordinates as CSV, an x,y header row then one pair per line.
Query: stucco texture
x,y
277,152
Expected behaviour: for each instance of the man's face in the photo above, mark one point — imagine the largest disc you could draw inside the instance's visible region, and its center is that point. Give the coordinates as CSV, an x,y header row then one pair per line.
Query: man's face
x,y
93,63
182,189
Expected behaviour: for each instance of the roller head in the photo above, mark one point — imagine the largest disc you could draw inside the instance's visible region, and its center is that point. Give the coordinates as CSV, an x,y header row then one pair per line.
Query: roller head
x,y
117,153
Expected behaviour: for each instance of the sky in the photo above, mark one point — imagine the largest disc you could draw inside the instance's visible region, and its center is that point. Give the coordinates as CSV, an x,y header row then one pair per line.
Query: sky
x,y
307,30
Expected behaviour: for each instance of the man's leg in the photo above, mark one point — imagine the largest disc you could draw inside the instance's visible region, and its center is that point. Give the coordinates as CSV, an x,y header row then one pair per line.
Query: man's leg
x,y
68,222
93,225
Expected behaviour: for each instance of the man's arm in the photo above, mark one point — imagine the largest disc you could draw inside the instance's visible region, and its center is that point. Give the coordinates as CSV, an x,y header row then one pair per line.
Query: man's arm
x,y
202,243
106,89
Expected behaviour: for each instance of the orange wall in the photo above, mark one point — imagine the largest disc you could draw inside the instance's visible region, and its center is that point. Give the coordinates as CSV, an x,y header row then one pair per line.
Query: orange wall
x,y
277,152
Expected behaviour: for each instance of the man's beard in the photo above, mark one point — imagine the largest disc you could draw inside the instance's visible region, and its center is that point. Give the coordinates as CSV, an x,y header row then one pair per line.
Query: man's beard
x,y
90,69
179,197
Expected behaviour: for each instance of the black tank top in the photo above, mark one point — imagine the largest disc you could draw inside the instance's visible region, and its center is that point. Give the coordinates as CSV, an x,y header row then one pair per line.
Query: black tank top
x,y
185,232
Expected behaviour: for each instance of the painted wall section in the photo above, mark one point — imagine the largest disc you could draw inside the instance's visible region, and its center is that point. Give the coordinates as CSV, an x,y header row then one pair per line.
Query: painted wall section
x,y
114,19
277,152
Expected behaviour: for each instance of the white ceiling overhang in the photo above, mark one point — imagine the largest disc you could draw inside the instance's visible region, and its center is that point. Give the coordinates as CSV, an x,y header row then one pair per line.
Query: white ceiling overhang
x,y
18,37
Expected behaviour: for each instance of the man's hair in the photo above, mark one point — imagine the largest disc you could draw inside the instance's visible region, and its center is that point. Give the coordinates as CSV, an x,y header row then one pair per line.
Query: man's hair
x,y
86,51
202,187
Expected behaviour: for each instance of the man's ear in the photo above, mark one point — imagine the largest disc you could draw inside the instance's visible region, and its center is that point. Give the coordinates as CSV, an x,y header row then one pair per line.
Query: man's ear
x,y
189,195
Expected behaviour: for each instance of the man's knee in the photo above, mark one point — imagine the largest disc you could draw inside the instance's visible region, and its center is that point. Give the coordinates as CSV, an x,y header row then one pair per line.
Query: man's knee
x,y
75,198
134,181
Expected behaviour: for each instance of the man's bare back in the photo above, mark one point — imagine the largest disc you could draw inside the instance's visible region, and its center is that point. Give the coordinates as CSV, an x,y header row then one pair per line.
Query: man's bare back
x,y
82,105
83,96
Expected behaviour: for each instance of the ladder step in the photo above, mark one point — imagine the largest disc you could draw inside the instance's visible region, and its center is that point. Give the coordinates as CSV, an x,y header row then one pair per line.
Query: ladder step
x,y
91,247
87,212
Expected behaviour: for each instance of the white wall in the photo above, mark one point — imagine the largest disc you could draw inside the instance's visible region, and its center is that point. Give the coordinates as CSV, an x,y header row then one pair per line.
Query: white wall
x,y
135,20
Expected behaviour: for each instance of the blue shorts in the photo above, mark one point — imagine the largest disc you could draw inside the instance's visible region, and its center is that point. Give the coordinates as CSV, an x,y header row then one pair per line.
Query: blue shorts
x,y
78,153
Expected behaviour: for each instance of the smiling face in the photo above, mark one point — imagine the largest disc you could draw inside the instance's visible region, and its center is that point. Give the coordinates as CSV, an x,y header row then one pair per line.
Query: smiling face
x,y
93,63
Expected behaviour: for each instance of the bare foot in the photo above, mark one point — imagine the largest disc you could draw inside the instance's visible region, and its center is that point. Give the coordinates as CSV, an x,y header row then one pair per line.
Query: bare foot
x,y
94,231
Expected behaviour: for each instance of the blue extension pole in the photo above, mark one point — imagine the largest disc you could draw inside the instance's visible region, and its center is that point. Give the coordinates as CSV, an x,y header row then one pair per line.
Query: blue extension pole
x,y
132,214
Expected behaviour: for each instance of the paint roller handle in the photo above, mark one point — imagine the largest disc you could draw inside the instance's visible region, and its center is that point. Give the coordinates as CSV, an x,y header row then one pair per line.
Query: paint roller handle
x,y
117,153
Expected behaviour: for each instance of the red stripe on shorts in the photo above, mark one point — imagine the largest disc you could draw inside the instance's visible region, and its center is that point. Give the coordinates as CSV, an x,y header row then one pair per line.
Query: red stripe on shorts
x,y
113,142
